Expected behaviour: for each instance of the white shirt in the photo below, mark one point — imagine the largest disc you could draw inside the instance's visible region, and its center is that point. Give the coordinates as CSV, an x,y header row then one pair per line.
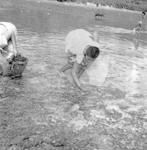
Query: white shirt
x,y
76,41
6,31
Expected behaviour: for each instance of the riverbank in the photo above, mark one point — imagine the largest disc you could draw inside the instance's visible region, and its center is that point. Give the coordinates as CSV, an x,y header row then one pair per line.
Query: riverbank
x,y
138,5
135,5
111,4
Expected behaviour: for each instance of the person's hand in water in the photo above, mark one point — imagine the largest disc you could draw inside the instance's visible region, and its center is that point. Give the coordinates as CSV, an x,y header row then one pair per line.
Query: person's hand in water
x,y
84,90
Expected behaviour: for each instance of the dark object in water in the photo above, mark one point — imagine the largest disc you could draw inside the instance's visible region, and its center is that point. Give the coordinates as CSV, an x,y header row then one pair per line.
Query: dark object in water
x,y
99,15
143,12
66,0
17,66
61,0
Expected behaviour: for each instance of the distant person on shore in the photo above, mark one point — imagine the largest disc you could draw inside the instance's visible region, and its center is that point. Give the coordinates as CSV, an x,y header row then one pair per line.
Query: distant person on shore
x,y
82,50
8,49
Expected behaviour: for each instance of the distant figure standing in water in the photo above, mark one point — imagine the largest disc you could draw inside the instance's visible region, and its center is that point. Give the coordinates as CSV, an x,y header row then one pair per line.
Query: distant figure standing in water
x,y
82,50
143,15
138,27
8,49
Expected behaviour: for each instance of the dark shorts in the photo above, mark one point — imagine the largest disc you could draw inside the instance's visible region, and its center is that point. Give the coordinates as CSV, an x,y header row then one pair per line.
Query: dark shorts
x,y
72,58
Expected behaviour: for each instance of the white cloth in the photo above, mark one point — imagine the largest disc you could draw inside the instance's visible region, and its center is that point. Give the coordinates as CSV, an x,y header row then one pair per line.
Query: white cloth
x,y
7,28
76,41
6,31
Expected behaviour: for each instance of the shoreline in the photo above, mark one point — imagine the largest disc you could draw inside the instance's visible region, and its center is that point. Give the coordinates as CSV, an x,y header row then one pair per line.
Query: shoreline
x,y
139,5
134,5
87,5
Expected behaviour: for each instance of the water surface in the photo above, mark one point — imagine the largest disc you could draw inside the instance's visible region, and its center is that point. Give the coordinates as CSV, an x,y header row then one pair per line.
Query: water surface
x,y
41,97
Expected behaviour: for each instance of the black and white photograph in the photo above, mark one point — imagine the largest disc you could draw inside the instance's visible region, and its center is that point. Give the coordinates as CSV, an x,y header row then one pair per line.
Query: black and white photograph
x,y
73,74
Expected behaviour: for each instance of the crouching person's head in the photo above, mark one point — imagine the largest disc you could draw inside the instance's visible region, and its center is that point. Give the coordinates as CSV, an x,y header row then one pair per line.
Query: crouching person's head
x,y
91,54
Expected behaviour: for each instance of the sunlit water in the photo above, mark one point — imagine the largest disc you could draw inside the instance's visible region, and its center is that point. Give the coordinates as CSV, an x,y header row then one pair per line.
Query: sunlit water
x,y
41,35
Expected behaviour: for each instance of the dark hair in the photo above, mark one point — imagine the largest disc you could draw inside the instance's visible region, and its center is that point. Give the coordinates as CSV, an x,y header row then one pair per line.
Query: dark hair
x,y
143,12
92,51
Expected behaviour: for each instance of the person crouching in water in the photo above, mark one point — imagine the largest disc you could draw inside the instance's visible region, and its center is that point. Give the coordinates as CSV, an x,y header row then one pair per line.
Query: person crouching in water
x,y
8,49
82,50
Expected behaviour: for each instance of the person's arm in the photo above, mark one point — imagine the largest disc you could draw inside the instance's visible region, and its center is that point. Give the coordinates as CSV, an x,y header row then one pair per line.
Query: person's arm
x,y
11,52
14,43
76,68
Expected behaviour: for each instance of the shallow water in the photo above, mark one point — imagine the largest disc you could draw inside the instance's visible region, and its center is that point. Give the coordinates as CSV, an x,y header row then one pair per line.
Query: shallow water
x,y
42,96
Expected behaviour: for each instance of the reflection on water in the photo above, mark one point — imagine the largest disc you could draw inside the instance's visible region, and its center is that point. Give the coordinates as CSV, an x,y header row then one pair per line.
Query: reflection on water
x,y
42,105
41,38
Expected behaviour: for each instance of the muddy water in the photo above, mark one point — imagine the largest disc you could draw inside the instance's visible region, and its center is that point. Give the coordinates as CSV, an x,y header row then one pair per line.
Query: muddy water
x,y
43,110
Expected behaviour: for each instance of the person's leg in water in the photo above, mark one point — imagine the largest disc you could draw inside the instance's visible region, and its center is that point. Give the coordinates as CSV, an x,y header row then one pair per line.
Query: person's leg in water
x,y
71,58
66,67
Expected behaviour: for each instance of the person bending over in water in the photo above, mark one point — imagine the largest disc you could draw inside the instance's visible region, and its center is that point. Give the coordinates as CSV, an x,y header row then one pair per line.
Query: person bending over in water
x,y
8,35
82,50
